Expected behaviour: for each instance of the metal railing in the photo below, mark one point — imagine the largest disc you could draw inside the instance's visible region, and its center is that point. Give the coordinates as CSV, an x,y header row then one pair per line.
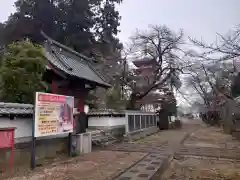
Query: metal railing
x,y
138,121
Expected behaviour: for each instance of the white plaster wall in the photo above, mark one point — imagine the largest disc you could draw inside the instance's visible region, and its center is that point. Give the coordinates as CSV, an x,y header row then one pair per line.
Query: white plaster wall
x,y
105,121
97,121
23,131
116,121
23,126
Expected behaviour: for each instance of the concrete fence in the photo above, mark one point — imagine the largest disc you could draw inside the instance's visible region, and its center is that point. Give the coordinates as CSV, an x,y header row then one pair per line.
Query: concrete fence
x,y
122,123
139,121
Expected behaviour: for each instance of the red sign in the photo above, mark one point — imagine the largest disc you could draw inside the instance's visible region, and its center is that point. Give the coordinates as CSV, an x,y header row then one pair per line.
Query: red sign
x,y
51,98
7,141
6,138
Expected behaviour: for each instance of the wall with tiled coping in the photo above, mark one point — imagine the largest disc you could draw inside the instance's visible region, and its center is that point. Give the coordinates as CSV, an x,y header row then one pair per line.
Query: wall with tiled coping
x,y
20,117
46,147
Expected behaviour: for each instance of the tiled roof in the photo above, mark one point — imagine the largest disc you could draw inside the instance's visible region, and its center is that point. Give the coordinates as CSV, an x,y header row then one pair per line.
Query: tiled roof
x,y
72,62
152,98
114,112
27,109
144,62
106,112
15,109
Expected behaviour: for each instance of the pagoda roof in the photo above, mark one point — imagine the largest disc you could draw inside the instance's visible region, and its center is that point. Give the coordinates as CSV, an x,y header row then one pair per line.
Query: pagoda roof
x,y
71,62
144,62
152,98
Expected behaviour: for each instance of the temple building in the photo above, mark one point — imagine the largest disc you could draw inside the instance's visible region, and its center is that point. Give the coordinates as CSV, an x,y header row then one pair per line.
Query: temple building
x,y
70,73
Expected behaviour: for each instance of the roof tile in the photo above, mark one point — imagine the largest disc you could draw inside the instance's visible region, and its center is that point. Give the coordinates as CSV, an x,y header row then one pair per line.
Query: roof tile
x,y
73,65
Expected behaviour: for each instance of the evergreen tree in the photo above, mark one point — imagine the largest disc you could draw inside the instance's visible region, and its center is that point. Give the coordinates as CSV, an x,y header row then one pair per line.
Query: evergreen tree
x,y
23,65
82,25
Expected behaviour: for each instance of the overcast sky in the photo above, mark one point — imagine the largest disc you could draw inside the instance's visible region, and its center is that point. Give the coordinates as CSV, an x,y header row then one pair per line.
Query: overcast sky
x,y
198,18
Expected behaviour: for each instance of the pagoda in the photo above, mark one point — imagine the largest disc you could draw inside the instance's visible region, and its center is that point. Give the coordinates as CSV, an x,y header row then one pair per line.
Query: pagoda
x,y
145,70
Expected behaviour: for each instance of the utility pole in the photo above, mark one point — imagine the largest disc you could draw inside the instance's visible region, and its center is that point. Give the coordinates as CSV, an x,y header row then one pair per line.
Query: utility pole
x,y
123,76
171,71
171,82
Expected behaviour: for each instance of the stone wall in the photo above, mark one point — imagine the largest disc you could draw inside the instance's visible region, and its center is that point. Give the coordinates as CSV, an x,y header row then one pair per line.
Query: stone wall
x,y
45,148
141,134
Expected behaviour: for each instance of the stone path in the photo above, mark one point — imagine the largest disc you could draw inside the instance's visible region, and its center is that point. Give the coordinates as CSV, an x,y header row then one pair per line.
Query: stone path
x,y
145,168
160,151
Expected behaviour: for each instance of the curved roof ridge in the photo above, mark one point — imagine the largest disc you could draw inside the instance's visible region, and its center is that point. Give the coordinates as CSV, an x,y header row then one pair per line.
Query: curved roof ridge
x,y
86,60
52,41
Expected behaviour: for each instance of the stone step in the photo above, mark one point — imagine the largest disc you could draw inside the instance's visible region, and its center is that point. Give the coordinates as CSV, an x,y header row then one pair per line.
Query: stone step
x,y
102,138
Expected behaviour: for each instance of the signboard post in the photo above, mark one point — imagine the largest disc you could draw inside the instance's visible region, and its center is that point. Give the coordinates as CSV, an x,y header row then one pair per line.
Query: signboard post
x,y
7,141
53,115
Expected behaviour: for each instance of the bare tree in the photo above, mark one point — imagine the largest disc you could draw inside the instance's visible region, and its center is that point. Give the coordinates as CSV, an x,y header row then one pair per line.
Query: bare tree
x,y
210,74
212,82
215,77
162,46
228,46
214,59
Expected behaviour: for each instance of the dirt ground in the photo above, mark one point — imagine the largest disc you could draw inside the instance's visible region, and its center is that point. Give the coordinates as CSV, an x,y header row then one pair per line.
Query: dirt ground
x,y
100,165
106,164
205,168
195,168
212,137
153,139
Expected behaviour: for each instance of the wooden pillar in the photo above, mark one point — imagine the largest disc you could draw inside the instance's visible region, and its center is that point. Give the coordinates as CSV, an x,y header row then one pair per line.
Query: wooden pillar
x,y
81,99
54,86
81,121
79,92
